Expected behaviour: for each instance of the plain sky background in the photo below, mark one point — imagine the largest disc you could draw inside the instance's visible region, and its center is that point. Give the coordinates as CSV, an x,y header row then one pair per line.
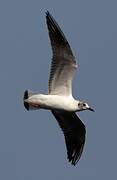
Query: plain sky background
x,y
31,143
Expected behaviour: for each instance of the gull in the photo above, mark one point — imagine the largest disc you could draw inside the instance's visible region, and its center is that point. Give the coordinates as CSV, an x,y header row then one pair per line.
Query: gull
x,y
59,98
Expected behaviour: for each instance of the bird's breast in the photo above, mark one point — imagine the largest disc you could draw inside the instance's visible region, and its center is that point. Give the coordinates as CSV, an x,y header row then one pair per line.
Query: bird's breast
x,y
55,102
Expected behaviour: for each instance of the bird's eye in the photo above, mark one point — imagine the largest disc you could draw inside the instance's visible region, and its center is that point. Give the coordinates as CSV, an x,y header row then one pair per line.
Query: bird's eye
x,y
79,104
84,104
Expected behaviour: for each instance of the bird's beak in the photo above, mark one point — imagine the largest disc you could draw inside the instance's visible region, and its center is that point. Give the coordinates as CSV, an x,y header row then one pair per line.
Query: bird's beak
x,y
91,109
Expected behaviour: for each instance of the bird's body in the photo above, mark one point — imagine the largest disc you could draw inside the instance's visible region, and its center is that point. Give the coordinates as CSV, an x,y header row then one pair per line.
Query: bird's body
x,y
59,98
66,103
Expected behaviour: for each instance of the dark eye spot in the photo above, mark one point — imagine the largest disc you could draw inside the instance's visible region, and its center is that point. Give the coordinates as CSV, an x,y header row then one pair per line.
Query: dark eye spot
x,y
84,104
79,104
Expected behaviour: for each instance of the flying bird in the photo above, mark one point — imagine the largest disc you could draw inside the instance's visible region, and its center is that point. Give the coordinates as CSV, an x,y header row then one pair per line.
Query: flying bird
x,y
59,98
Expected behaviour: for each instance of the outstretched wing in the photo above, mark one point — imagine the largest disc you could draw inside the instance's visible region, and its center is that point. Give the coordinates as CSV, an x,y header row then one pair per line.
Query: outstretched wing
x,y
74,132
63,63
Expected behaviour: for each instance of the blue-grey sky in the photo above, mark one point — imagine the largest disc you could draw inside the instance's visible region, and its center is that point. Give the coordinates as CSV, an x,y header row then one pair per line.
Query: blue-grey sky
x,y
31,143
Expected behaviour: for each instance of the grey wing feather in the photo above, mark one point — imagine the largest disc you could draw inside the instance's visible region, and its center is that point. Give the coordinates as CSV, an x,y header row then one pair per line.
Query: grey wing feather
x,y
74,132
63,63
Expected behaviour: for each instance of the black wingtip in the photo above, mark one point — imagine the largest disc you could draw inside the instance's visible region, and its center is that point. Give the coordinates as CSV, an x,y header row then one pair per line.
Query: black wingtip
x,y
26,105
73,163
49,16
47,13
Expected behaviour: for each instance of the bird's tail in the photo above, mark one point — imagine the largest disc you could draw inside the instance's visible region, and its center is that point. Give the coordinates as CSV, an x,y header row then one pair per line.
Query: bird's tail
x,y
28,94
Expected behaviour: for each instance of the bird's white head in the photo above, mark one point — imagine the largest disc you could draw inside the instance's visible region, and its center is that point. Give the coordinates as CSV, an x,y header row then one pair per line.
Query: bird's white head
x,y
84,106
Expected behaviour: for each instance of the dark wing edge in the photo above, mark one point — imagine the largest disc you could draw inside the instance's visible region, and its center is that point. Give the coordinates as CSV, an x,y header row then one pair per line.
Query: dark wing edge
x,y
74,133
56,35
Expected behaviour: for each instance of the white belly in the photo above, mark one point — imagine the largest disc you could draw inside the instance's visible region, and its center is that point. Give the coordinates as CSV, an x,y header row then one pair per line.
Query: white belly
x,y
55,102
